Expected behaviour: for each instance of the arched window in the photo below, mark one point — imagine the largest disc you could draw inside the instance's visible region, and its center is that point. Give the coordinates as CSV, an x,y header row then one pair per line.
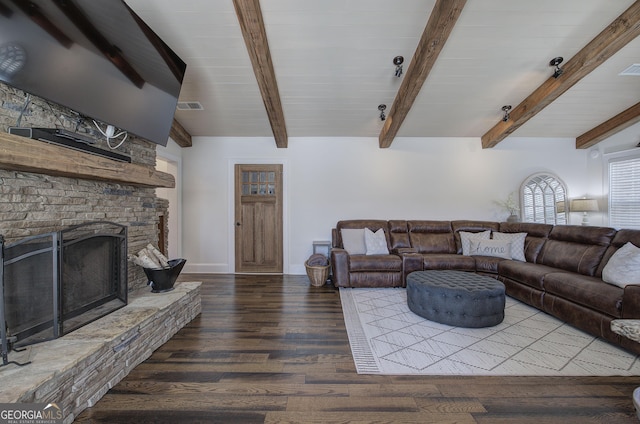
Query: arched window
x,y
544,199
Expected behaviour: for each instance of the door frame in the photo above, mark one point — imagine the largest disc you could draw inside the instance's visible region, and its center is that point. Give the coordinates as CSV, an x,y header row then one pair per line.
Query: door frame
x,y
231,238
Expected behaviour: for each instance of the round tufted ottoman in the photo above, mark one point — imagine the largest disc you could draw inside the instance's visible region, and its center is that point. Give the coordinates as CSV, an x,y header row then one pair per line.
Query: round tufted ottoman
x,y
456,298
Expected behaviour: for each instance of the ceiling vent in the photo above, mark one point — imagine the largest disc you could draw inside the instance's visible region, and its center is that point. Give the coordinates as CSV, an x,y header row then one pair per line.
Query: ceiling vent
x,y
192,105
632,70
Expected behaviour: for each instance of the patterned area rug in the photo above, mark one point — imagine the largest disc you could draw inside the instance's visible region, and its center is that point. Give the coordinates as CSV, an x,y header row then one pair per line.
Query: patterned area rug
x,y
387,338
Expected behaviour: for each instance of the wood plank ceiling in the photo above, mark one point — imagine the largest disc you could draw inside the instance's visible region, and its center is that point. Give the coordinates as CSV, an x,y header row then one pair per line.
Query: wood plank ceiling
x,y
614,37
304,68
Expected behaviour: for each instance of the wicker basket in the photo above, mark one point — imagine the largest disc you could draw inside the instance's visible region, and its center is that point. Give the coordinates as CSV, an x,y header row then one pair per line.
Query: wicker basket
x,y
318,275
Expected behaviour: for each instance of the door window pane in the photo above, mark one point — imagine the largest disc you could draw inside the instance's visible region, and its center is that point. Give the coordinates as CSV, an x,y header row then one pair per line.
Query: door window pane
x,y
258,183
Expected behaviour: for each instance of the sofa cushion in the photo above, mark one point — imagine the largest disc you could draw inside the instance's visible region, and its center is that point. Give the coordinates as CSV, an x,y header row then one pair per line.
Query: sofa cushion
x,y
448,261
375,243
359,263
431,236
487,264
375,279
398,235
623,267
587,291
576,248
579,316
517,243
631,302
353,240
525,273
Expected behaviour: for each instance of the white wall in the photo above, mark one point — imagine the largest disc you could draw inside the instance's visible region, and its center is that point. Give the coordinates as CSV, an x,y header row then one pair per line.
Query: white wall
x,y
329,179
169,160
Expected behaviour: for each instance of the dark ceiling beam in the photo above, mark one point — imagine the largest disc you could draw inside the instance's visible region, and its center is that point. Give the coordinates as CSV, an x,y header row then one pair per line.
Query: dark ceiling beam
x,y
32,10
621,31
169,56
610,127
179,134
255,37
443,18
110,51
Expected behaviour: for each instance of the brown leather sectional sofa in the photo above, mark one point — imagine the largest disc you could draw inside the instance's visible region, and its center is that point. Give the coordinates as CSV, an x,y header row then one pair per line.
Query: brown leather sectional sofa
x,y
562,274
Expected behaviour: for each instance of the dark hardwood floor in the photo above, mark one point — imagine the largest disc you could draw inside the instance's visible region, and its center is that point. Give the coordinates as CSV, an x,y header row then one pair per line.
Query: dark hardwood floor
x,y
273,349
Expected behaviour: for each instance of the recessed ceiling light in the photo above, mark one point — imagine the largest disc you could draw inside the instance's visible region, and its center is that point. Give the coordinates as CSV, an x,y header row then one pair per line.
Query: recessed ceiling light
x,y
632,70
189,106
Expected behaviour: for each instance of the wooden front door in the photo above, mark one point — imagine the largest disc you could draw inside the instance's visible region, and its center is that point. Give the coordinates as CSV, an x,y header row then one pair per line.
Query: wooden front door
x,y
258,218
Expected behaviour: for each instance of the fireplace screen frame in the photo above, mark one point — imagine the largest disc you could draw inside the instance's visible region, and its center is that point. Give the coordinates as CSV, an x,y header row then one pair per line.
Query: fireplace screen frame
x,y
51,253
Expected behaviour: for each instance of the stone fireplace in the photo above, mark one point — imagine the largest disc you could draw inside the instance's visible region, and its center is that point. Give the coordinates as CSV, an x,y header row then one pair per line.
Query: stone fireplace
x,y
33,203
45,189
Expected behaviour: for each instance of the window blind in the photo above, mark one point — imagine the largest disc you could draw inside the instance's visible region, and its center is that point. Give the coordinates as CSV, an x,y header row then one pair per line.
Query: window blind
x,y
624,193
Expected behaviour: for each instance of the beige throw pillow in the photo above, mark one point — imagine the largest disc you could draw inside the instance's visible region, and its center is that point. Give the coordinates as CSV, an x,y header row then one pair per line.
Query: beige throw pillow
x,y
465,238
376,243
517,243
353,240
497,248
623,268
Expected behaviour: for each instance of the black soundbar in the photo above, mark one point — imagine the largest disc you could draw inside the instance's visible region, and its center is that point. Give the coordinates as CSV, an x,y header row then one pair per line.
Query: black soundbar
x,y
68,139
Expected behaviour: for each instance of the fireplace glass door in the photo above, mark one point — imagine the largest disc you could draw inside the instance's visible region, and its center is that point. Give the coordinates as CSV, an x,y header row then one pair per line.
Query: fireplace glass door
x,y
57,282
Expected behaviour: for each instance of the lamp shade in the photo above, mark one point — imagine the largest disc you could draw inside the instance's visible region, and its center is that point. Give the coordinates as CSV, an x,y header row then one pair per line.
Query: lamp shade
x,y
584,205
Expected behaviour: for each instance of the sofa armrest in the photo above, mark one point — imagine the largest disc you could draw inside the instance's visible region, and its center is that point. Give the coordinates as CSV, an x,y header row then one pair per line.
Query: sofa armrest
x,y
340,267
631,302
411,262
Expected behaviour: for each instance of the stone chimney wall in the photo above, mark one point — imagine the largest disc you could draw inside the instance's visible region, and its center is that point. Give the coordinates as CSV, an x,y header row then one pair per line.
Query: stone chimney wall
x,y
33,204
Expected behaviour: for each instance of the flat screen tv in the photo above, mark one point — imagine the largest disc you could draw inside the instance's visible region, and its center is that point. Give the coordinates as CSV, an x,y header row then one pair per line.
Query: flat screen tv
x,y
96,57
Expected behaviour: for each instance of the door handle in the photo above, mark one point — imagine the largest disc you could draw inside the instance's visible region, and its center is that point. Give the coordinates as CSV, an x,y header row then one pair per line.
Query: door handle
x,y
237,224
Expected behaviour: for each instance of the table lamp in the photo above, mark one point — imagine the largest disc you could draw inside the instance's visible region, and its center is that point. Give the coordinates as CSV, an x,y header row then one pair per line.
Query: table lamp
x,y
585,206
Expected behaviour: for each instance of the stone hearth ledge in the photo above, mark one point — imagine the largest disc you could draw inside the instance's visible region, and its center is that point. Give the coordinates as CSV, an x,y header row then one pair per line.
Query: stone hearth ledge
x,y
76,370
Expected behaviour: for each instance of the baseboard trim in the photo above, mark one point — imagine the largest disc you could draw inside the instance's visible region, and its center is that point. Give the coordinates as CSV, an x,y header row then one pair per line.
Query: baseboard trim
x,y
205,268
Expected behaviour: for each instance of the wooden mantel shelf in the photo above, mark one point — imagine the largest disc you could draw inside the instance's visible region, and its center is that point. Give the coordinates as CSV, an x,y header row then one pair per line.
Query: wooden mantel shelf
x,y
24,154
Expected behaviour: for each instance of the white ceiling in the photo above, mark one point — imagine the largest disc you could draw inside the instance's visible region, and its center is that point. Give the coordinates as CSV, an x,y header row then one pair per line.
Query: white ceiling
x,y
333,64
